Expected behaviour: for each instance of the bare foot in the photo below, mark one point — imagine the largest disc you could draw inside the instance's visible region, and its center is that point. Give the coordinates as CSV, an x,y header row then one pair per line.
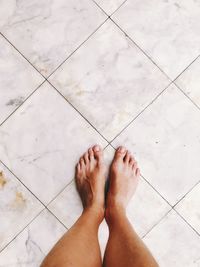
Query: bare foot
x,y
90,180
123,180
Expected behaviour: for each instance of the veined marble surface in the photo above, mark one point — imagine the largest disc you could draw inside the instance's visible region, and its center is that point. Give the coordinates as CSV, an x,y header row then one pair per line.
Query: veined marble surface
x,y
109,6
41,142
17,79
189,208
114,86
111,84
17,207
165,138
31,246
174,243
167,30
189,81
48,31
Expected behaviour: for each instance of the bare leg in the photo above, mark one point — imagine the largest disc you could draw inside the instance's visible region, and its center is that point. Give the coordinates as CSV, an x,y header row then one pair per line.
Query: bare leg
x,y
79,247
124,247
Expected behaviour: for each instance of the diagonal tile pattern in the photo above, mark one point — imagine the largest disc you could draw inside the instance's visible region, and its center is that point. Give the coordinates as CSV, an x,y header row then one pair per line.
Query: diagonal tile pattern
x,y
189,82
32,244
18,79
115,85
42,150
109,6
17,206
108,88
167,30
164,146
188,207
47,32
174,243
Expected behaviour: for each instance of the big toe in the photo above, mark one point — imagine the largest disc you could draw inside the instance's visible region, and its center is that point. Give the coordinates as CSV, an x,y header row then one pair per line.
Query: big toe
x,y
120,153
98,153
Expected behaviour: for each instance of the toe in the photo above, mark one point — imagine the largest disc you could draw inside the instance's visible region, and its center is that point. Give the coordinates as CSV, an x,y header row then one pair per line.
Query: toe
x,y
98,153
135,168
120,153
91,154
131,161
82,163
127,157
86,158
137,172
78,168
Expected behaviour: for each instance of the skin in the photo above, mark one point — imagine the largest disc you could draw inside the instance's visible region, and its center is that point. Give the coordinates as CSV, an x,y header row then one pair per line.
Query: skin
x,y
79,247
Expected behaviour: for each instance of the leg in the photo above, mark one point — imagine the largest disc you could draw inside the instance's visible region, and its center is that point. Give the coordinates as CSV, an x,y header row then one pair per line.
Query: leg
x,y
79,247
124,247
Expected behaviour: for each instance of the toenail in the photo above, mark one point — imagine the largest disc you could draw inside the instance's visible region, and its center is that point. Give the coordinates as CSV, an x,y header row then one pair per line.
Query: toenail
x,y
121,149
96,148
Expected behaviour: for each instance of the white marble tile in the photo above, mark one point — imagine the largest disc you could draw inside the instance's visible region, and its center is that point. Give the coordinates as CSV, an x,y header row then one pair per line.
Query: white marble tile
x,y
165,139
174,243
141,210
109,6
33,244
17,79
189,81
43,140
167,30
117,82
189,208
48,31
17,206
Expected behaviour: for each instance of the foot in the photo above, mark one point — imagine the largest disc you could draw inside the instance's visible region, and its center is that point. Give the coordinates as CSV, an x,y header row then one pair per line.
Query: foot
x,y
90,180
123,181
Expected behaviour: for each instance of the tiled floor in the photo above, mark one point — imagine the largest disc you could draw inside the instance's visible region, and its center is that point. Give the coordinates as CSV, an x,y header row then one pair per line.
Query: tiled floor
x,y
78,72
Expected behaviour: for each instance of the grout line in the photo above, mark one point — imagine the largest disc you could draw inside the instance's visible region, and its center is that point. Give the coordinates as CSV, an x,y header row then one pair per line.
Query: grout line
x,y
60,192
77,111
174,206
21,54
113,11
22,103
45,206
21,231
101,8
185,68
77,48
152,101
187,223
187,96
140,49
119,7
162,218
156,190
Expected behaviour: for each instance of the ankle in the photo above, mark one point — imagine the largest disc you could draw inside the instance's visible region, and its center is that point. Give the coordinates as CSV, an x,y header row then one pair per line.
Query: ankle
x,y
94,212
114,213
